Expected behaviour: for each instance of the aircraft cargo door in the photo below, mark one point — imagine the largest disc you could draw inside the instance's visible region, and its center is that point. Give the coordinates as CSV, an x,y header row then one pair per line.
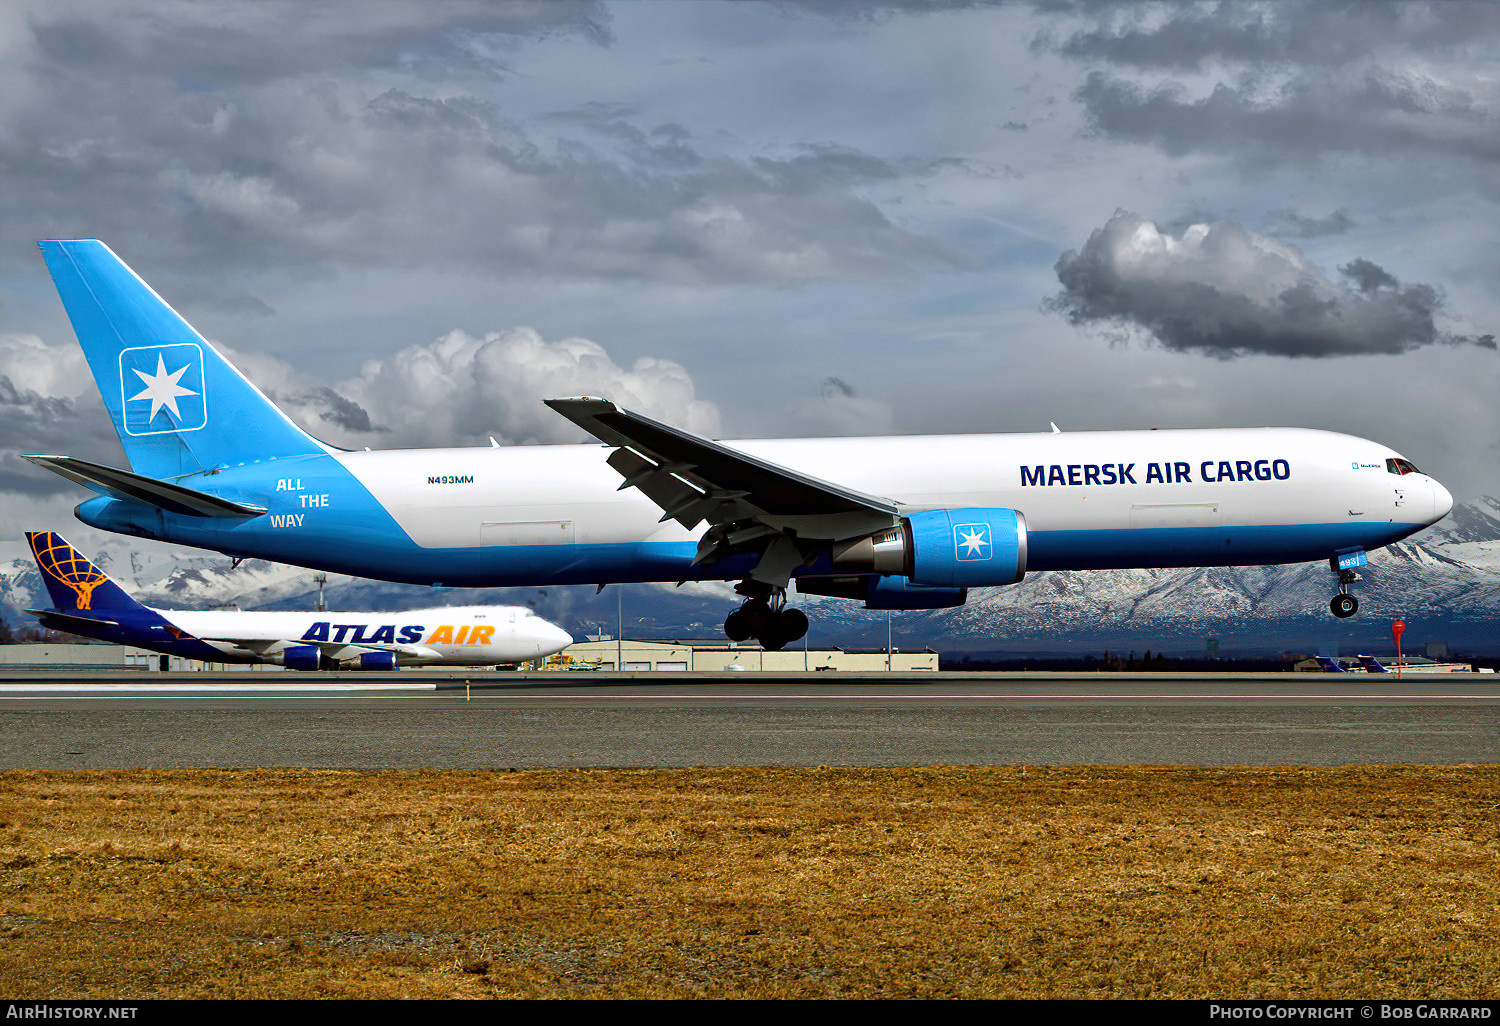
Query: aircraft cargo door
x,y
527,532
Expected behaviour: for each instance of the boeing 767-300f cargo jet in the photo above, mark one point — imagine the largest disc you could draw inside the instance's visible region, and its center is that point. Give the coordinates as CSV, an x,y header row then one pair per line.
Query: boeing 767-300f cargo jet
x,y
908,522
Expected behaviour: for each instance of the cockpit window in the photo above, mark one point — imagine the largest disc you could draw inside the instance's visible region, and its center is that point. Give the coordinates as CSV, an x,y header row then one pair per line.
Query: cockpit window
x,y
1400,466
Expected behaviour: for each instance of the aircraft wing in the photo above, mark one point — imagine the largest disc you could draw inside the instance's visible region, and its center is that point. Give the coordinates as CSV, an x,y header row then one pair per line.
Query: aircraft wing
x,y
749,503
337,650
717,473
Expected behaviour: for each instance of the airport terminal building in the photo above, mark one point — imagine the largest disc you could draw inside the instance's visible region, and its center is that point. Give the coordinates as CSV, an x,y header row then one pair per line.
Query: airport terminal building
x,y
609,654
695,657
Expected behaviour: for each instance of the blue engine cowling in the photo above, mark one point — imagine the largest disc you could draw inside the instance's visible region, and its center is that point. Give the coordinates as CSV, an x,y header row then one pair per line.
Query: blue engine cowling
x,y
301,657
973,547
377,660
957,548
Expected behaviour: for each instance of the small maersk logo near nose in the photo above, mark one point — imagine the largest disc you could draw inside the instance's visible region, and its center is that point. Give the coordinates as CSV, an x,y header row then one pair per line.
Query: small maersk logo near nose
x,y
161,389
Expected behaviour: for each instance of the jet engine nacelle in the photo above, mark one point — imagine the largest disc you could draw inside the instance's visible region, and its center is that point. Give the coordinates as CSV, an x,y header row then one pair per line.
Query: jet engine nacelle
x,y
899,593
944,548
377,660
301,657
878,592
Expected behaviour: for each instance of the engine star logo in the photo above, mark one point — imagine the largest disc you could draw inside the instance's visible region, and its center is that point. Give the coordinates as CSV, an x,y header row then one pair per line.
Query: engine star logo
x,y
971,542
173,398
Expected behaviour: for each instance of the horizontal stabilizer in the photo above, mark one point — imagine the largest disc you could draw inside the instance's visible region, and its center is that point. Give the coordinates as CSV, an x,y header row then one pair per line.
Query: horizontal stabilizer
x,y
122,484
65,620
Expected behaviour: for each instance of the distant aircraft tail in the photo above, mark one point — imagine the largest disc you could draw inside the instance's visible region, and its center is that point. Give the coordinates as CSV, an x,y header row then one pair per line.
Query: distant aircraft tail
x,y
72,580
1330,665
1372,665
178,406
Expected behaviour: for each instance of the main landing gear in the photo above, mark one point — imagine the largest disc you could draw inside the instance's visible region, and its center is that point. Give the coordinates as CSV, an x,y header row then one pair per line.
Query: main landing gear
x,y
765,617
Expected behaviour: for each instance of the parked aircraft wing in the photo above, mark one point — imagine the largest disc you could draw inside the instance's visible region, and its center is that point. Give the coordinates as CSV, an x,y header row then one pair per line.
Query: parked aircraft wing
x,y
337,650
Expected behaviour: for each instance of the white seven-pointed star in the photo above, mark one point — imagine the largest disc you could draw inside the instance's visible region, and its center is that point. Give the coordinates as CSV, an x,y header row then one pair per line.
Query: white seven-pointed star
x,y
162,388
974,542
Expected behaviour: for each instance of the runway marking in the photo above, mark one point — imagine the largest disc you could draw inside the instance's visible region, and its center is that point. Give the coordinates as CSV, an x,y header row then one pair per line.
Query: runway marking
x,y
99,690
1270,698
121,691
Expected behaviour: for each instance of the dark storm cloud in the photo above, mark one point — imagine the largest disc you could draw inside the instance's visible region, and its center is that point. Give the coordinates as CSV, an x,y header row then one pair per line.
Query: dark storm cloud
x,y
208,135
1292,81
1225,291
215,45
1377,114
1369,277
1290,224
832,386
1184,37
324,405
33,423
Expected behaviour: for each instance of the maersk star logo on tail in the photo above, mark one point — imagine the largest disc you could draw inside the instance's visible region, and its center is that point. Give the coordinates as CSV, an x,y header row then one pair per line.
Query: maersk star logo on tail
x,y
971,541
161,388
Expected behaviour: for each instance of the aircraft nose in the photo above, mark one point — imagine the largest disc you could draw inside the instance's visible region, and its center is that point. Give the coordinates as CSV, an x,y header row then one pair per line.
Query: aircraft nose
x,y
552,638
1442,502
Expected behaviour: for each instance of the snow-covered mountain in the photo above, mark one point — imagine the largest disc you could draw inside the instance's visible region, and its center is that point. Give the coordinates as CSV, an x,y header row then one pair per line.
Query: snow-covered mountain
x,y
1444,583
1472,522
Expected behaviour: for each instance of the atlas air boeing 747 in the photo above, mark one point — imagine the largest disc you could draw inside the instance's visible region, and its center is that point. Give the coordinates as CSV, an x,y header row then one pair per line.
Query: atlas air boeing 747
x,y
908,522
86,601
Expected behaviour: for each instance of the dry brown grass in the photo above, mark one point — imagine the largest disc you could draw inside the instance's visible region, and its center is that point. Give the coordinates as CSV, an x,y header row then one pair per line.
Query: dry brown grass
x,y
967,882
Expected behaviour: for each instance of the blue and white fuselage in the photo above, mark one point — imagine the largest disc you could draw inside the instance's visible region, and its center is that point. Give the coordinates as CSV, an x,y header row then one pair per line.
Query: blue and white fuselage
x,y
898,522
554,514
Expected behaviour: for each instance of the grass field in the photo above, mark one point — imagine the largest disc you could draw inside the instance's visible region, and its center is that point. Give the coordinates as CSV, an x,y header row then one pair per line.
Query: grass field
x,y
943,882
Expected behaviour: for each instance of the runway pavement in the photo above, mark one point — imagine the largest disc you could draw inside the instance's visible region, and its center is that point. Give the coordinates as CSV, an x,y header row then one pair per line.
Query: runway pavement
x,y
550,720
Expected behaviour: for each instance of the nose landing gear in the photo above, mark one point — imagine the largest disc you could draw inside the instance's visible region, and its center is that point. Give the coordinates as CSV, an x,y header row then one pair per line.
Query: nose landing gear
x,y
765,617
1345,605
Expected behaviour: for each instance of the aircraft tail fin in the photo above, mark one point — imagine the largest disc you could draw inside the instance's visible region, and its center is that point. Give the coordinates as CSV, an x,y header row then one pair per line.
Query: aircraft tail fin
x,y
1371,664
72,580
1330,665
178,406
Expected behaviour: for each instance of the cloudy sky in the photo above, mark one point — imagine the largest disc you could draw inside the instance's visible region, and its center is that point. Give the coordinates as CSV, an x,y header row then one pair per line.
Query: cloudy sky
x,y
410,222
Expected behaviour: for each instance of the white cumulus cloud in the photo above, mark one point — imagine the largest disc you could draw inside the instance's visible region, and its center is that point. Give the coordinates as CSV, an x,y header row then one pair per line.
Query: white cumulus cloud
x,y
461,389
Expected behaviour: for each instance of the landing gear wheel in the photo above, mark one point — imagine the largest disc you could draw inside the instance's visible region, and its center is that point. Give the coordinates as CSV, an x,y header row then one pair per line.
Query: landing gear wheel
x,y
748,621
782,629
1344,606
736,626
792,623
